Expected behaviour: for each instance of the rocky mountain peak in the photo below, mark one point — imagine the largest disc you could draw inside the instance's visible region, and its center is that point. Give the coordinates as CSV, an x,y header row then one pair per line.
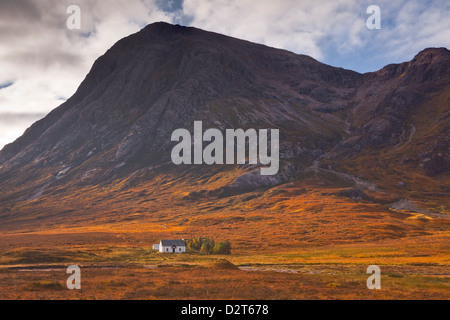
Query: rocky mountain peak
x,y
165,77
431,64
431,55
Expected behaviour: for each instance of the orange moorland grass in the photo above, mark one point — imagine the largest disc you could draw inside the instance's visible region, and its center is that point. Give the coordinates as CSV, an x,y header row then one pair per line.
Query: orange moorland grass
x,y
299,240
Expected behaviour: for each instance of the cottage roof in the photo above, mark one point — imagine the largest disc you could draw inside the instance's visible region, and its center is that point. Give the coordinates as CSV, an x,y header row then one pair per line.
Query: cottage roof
x,y
170,243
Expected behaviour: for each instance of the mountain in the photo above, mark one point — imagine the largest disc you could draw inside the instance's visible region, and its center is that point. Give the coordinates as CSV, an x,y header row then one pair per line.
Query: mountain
x,y
379,137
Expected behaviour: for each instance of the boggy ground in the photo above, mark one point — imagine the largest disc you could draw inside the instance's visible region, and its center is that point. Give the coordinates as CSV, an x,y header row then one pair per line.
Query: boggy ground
x,y
33,266
308,239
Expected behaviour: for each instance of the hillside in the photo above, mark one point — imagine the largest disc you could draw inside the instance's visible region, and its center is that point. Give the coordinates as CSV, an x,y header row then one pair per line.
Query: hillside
x,y
355,148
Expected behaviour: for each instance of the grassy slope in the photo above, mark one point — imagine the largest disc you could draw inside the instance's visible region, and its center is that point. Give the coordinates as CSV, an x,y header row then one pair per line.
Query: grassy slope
x,y
325,242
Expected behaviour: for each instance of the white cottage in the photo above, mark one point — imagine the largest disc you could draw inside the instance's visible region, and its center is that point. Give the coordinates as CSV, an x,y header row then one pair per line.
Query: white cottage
x,y
171,246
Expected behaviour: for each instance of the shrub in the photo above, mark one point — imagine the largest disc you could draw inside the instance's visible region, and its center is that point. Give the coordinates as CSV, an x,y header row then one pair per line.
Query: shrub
x,y
208,246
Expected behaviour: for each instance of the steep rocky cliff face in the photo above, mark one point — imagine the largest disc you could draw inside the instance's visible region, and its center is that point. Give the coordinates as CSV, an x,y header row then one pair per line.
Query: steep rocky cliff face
x,y
119,122
405,105
388,97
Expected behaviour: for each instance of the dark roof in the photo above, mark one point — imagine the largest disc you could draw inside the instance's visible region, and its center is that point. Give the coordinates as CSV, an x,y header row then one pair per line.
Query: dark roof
x,y
170,243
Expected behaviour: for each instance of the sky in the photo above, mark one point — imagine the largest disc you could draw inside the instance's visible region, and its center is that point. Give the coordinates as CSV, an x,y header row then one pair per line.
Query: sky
x,y
42,61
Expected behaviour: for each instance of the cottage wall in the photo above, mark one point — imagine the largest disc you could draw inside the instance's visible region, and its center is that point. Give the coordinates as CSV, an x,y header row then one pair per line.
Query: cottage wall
x,y
168,249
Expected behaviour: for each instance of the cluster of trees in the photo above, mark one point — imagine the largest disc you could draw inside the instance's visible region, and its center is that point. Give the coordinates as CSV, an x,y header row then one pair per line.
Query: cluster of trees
x,y
208,246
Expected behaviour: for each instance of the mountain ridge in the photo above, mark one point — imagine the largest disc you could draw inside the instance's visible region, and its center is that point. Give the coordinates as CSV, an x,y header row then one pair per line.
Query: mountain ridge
x,y
165,28
118,123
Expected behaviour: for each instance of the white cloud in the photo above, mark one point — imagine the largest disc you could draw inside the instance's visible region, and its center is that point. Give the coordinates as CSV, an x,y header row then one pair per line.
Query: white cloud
x,y
409,27
329,27
13,125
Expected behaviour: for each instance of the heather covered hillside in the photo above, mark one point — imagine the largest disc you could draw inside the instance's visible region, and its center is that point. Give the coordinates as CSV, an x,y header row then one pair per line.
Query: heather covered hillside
x,y
380,137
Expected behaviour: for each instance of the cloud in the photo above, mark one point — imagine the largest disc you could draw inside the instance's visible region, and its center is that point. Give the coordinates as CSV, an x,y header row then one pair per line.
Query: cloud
x,y
46,61
19,10
13,125
306,27
332,31
42,62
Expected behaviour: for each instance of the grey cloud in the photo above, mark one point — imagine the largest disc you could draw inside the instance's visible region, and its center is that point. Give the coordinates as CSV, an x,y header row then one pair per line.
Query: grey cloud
x,y
47,61
44,61
19,9
10,119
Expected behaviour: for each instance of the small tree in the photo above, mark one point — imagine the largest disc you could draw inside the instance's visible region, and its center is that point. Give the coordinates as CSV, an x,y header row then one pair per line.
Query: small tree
x,y
218,248
226,247
205,248
209,246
